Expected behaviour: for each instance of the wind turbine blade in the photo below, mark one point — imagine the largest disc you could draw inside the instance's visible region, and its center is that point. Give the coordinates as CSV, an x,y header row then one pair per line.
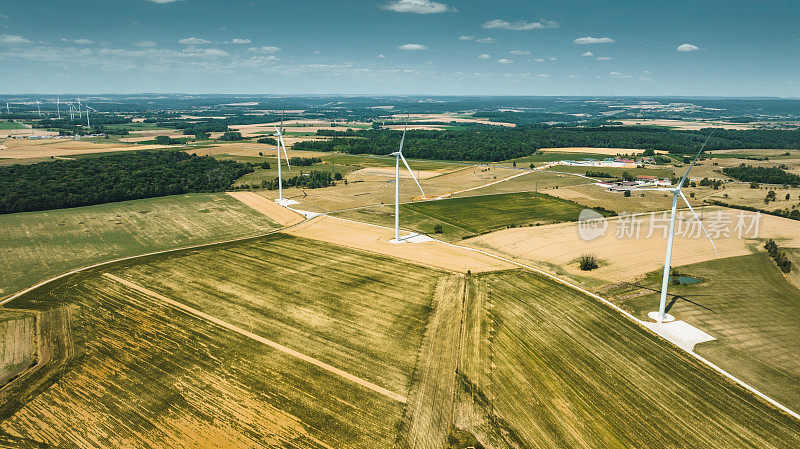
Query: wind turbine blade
x,y
680,184
403,139
412,174
701,223
283,145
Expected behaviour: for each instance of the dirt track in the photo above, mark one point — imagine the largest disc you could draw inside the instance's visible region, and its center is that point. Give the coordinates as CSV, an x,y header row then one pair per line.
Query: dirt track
x,y
271,209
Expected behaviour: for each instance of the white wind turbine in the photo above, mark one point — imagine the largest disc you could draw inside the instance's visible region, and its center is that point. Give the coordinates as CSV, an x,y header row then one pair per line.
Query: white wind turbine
x,y
80,115
38,108
398,156
58,107
279,135
676,192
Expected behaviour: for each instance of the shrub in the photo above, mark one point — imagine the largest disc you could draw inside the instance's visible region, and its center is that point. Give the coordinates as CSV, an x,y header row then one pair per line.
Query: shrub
x,y
588,262
438,229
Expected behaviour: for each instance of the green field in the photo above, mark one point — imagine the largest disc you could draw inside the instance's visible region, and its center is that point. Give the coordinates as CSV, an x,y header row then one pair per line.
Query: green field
x,y
154,375
460,217
11,125
260,174
540,157
544,366
752,311
37,245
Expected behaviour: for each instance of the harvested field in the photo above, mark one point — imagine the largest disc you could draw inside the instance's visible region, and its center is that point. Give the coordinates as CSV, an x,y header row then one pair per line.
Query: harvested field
x,y
388,173
175,352
37,245
46,148
376,239
447,118
689,124
547,367
592,195
560,245
751,310
271,209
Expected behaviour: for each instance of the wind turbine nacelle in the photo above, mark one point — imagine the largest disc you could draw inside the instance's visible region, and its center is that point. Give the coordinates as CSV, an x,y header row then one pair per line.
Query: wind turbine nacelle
x,y
395,154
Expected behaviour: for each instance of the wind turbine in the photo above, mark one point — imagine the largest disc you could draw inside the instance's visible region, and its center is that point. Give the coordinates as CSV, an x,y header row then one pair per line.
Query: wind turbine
x,y
79,108
58,107
8,110
88,125
676,192
279,135
398,156
71,112
38,108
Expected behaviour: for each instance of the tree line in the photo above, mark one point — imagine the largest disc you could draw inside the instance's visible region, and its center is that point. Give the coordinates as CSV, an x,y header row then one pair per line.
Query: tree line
x,y
762,175
113,177
495,143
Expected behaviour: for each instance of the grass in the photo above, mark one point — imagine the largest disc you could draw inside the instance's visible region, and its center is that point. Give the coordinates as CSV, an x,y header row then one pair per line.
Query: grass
x,y
545,366
161,377
37,245
461,217
11,125
751,309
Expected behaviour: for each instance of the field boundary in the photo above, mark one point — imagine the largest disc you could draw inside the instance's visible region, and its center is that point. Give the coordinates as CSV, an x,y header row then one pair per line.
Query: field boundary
x,y
260,339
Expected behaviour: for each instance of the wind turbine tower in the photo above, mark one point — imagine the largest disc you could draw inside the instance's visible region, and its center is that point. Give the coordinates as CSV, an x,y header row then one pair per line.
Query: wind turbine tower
x,y
399,156
58,108
662,316
279,135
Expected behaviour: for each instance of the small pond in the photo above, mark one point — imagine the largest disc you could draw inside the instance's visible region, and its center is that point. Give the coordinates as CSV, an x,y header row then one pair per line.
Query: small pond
x,y
685,280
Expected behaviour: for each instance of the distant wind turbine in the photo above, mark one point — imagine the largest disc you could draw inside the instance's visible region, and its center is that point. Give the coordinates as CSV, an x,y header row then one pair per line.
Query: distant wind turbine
x,y
676,192
58,107
79,108
38,108
398,156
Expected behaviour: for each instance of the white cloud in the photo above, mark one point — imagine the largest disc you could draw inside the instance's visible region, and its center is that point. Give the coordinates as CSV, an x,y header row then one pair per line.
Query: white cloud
x,y
466,38
144,44
603,58
13,39
487,40
240,41
163,2
206,52
193,41
520,52
413,47
646,72
588,53
417,6
484,56
520,26
505,61
617,75
267,49
552,59
537,60
80,41
593,40
688,47
380,56
574,77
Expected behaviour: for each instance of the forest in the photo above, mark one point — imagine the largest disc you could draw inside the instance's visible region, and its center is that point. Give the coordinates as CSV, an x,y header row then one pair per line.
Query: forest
x,y
113,177
494,143
762,175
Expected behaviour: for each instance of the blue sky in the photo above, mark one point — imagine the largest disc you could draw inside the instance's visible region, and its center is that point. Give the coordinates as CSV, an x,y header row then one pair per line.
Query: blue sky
x,y
733,47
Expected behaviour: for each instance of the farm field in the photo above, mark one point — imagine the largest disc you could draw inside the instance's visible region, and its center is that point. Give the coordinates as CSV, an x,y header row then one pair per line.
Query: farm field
x,y
379,190
749,307
11,125
37,245
689,124
47,148
461,217
591,195
606,152
624,256
212,348
545,366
